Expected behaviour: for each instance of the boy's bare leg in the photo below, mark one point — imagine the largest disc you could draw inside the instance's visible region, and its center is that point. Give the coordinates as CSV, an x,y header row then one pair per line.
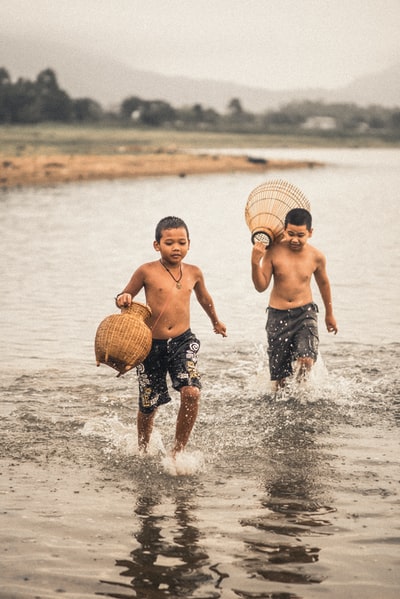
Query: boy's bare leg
x,y
187,414
279,384
303,368
145,424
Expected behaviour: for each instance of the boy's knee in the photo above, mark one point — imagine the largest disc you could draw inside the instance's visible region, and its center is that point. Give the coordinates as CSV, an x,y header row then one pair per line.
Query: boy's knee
x,y
305,362
190,394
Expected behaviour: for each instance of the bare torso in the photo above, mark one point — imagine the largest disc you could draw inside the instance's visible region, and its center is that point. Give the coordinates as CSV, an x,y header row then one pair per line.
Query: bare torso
x,y
292,272
169,301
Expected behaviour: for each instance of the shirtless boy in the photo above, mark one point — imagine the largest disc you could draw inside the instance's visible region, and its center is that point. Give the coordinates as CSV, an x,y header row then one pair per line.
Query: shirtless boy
x,y
292,327
168,284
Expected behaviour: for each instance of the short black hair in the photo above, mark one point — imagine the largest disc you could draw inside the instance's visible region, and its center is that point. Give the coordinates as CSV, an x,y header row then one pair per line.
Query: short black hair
x,y
169,222
299,217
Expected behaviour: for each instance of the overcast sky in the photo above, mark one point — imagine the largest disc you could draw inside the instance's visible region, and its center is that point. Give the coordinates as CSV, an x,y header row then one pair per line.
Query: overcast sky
x,y
275,44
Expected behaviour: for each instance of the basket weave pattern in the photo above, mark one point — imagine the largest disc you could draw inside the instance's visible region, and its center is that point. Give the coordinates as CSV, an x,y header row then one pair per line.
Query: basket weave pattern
x,y
268,205
124,340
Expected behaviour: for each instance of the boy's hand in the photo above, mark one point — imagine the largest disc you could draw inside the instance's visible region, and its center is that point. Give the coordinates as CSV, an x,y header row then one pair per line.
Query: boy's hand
x,y
331,324
220,328
123,300
258,252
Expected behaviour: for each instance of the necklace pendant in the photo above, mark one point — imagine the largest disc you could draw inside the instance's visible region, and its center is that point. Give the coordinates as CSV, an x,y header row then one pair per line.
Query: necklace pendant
x,y
177,281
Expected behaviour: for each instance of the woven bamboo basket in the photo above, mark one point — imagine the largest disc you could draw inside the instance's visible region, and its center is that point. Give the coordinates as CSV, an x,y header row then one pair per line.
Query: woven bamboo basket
x,y
267,207
124,340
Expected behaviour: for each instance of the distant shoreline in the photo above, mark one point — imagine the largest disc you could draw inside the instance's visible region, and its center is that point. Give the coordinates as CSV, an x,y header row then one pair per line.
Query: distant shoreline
x,y
49,153
53,169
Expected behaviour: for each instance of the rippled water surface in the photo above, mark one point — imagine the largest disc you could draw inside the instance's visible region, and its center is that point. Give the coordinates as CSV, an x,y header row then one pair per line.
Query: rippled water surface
x,y
285,498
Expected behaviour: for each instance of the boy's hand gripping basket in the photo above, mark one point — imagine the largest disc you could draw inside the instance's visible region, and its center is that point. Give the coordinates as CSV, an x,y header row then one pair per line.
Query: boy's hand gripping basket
x,y
124,340
267,207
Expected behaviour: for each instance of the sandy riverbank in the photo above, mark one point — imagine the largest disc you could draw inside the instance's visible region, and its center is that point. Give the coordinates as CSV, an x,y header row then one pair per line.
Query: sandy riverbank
x,y
61,168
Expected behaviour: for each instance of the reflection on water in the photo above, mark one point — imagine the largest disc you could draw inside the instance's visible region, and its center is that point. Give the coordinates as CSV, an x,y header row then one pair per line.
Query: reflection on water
x,y
294,500
168,560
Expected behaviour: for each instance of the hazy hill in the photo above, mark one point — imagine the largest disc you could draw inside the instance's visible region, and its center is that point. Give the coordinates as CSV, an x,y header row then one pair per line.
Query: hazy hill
x,y
109,82
378,88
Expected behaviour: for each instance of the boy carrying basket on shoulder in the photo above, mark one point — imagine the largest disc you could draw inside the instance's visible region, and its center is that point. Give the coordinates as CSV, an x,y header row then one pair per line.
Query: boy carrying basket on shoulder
x,y
292,327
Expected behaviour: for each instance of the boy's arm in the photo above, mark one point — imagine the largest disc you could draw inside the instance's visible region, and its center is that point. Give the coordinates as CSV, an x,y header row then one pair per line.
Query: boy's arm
x,y
136,282
206,302
321,278
261,275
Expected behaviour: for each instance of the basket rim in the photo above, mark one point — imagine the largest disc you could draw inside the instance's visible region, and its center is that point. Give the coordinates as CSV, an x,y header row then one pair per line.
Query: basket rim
x,y
140,304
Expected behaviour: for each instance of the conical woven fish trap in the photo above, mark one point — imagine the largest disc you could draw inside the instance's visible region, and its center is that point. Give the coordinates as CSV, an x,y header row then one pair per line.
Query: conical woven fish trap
x,y
267,207
124,340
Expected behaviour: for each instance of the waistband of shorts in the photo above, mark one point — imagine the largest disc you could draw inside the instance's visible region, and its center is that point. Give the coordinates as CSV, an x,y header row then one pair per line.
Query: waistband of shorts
x,y
293,311
180,337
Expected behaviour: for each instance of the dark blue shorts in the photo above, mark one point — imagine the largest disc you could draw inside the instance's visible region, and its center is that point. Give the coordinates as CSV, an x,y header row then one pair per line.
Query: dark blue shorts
x,y
291,334
178,358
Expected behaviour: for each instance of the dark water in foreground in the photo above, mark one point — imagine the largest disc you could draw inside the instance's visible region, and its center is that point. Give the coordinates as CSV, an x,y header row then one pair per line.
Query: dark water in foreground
x,y
296,497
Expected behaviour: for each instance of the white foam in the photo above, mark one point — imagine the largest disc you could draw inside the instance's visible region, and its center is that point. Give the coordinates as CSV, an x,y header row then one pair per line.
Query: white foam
x,y
112,430
184,464
122,437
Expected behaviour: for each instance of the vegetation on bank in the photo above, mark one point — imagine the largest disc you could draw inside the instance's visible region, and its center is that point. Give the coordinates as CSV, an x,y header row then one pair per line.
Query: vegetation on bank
x,y
29,111
72,139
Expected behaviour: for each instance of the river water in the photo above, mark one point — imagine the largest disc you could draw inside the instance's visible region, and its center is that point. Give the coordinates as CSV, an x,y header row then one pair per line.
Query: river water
x,y
286,498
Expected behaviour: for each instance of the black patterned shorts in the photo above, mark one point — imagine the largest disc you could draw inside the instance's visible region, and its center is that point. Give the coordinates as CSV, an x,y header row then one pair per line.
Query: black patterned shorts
x,y
178,358
291,334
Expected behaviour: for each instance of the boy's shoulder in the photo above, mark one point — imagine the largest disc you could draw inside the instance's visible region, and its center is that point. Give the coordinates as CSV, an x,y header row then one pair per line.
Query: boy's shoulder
x,y
192,269
147,267
151,264
316,256
315,250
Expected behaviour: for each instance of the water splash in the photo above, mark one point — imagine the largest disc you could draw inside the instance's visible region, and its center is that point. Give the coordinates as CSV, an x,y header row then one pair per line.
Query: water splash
x,y
121,439
184,464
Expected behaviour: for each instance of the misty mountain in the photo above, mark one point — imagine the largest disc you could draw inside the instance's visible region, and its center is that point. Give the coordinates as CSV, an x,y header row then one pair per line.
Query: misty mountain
x,y
88,74
378,88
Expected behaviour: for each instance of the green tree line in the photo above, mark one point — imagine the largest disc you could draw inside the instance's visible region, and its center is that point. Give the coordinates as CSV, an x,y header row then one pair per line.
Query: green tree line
x,y
42,100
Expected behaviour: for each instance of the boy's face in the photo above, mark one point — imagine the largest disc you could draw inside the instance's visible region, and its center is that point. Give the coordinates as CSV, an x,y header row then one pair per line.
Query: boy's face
x,y
297,236
173,245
